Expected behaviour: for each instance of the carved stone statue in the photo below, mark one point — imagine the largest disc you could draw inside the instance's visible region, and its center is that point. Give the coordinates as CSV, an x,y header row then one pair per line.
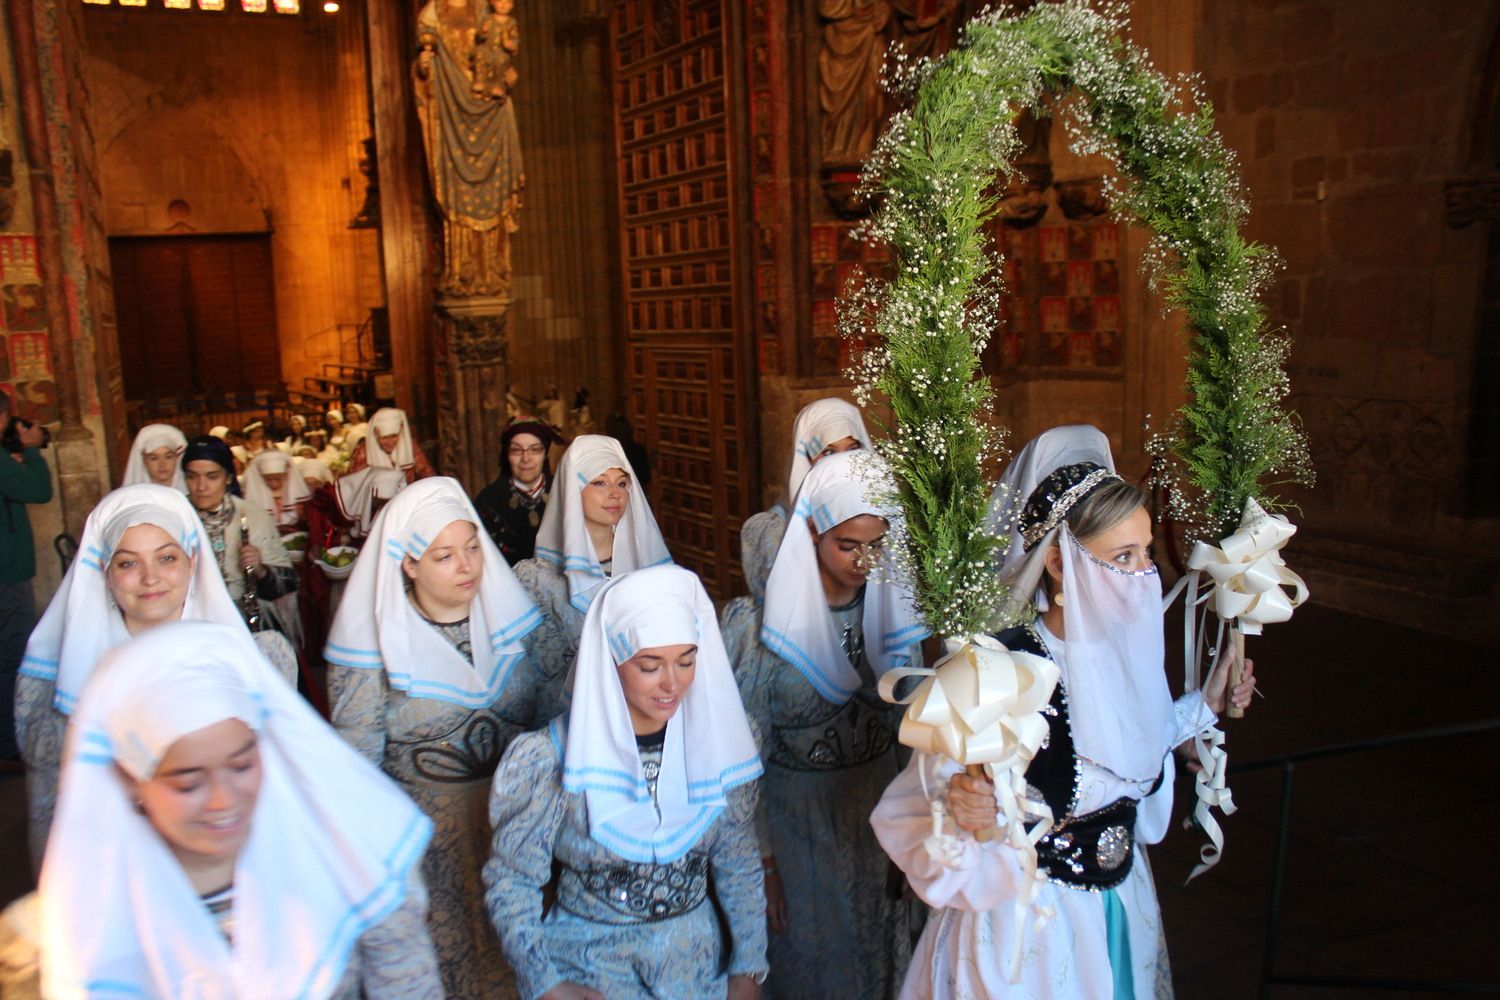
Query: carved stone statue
x,y
495,46
849,93
463,78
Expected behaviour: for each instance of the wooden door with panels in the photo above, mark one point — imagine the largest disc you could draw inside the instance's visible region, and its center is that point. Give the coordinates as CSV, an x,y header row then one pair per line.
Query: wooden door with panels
x,y
687,356
195,314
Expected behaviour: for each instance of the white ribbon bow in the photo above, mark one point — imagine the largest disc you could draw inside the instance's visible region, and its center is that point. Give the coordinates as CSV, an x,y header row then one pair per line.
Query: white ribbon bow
x,y
982,704
1250,582
1250,577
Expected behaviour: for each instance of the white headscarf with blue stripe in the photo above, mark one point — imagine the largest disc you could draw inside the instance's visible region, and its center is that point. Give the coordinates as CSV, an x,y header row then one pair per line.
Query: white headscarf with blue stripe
x,y
796,624
331,840
82,621
709,748
819,424
377,628
563,536
154,437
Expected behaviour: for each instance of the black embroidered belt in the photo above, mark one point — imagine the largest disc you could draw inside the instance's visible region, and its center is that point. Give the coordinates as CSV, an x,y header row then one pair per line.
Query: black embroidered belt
x,y
469,752
1093,851
855,734
635,893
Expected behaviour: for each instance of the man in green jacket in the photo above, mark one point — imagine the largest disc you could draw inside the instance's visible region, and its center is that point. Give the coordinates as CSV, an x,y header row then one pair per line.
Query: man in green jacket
x,y
24,479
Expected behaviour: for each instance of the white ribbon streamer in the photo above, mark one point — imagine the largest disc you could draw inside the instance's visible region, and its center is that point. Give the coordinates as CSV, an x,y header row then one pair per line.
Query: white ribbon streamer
x,y
982,704
1249,591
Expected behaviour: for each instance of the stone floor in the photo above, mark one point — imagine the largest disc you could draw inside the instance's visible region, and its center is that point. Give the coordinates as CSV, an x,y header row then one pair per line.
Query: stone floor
x,y
1392,868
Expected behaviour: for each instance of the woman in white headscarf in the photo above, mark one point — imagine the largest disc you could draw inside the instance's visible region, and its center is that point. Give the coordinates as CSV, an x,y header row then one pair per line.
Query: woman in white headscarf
x,y
358,425
143,560
643,796
428,678
808,662
598,525
297,425
215,839
155,457
1105,770
388,444
312,471
255,439
333,426
272,485
823,427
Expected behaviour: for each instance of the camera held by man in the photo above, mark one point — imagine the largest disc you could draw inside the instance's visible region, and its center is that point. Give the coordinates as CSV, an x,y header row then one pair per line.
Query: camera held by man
x,y
21,434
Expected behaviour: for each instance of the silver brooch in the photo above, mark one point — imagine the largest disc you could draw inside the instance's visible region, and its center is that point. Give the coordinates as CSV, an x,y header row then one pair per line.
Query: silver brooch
x,y
1114,848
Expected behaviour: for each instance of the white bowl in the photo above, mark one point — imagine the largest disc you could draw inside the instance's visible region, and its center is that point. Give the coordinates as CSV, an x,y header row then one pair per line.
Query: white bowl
x,y
297,555
336,572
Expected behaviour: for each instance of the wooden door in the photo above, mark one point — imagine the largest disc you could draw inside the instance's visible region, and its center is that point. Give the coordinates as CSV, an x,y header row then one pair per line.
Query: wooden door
x,y
687,364
195,313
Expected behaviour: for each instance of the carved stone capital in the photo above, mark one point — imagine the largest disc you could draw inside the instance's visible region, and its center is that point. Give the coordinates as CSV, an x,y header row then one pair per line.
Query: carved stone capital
x,y
475,329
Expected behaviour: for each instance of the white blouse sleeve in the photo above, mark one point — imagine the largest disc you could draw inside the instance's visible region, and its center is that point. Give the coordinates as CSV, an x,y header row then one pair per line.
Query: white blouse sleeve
x,y
979,878
1192,715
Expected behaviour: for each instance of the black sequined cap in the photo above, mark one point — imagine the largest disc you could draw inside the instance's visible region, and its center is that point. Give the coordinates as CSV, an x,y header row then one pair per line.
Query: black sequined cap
x,y
1054,496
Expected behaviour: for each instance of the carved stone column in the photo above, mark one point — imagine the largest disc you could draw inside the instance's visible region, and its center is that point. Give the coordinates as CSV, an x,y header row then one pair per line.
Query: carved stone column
x,y
471,381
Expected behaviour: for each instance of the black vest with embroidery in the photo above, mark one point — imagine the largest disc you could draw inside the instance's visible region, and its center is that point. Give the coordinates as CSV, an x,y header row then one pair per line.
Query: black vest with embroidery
x,y
1093,851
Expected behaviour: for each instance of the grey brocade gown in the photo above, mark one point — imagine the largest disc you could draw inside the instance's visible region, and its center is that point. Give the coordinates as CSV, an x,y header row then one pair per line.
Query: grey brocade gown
x,y
849,932
632,931
443,755
552,646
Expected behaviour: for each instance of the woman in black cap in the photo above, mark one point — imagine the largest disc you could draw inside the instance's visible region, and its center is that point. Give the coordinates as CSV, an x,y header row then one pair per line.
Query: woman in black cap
x,y
511,507
244,539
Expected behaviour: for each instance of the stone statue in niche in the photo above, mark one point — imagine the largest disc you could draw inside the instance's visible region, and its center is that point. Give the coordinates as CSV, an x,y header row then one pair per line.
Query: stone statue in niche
x,y
1025,199
926,27
855,37
463,79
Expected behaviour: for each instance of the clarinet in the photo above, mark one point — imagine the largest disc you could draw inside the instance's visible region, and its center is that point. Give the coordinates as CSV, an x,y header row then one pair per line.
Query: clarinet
x,y
249,603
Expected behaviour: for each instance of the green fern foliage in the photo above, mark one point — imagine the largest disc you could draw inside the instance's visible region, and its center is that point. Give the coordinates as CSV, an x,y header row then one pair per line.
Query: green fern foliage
x,y
934,173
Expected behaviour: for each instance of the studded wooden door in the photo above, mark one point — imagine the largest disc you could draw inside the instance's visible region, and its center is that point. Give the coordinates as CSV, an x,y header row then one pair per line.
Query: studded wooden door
x,y
686,329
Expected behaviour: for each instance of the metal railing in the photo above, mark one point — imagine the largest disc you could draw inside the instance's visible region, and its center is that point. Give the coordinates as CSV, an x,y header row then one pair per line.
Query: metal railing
x,y
1269,977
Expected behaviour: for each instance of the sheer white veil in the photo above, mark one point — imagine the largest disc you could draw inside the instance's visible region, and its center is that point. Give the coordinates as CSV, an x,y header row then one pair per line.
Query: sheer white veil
x,y
1119,706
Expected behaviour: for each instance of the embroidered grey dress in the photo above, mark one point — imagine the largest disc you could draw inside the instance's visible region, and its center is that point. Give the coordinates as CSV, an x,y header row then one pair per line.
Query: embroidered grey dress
x,y
443,755
42,728
849,933
552,646
760,537
632,931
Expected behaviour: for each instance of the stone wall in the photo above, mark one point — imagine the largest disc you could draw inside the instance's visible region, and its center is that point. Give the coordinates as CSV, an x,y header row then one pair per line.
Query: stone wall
x,y
1349,119
57,323
252,123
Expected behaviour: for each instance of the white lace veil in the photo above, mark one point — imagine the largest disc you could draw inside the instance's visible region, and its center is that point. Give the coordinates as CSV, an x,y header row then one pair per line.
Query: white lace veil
x,y
1119,707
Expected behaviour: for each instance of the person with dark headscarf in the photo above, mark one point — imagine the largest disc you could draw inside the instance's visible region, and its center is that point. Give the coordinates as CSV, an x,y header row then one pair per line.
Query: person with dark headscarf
x,y
242,536
512,506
